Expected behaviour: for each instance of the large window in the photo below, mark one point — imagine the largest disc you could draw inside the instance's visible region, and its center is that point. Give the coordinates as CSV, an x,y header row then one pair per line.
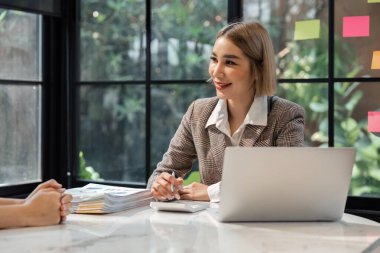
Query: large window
x,y
327,65
139,72
20,97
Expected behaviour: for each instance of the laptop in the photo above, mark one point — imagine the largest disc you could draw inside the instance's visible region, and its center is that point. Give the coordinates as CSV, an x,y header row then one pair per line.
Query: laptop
x,y
285,183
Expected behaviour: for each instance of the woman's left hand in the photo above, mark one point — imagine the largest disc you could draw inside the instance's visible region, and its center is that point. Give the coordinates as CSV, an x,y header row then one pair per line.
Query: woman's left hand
x,y
195,191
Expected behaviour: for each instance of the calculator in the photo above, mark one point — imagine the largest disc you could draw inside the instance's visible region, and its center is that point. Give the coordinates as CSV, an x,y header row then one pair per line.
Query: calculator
x,y
187,206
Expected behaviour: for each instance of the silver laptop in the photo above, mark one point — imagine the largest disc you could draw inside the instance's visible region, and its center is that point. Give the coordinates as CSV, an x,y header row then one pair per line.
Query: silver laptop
x,y
285,183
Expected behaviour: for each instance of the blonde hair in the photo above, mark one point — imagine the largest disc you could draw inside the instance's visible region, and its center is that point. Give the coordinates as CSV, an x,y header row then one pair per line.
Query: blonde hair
x,y
254,41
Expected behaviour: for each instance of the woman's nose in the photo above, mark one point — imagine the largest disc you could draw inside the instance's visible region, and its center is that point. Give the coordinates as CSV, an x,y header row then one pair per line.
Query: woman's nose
x,y
218,70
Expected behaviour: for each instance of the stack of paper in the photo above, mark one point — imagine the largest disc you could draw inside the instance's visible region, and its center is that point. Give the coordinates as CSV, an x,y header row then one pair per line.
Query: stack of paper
x,y
97,198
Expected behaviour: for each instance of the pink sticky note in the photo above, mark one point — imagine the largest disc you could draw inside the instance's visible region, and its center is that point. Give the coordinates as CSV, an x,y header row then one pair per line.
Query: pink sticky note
x,y
374,122
356,26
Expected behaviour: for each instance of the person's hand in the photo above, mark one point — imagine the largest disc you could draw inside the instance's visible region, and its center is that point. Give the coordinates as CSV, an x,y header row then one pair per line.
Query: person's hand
x,y
65,199
65,206
195,191
162,187
48,184
42,208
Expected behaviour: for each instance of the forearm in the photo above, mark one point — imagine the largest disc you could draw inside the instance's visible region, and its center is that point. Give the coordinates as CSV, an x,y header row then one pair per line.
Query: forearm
x,y
10,201
12,216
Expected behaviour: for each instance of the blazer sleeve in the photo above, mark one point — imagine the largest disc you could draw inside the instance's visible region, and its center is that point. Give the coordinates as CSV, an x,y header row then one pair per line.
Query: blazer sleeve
x,y
291,126
181,152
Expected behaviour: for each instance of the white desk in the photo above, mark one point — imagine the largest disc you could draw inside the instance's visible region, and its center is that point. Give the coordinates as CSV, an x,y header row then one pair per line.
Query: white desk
x,y
144,230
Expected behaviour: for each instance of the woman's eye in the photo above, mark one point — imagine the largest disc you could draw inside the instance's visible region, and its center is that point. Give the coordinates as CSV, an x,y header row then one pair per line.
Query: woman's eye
x,y
212,58
228,62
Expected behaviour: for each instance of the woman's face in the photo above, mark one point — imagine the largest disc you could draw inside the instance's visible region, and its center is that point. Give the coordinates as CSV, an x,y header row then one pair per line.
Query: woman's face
x,y
230,71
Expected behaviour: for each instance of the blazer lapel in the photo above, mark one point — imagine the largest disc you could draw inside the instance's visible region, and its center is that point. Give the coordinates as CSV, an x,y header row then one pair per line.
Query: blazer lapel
x,y
250,135
218,144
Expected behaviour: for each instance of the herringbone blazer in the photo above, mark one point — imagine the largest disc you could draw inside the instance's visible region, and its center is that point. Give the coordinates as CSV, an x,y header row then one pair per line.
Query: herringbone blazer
x,y
192,141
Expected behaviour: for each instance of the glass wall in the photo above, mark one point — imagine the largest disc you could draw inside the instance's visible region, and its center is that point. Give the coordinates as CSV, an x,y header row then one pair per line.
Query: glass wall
x,y
356,38
20,97
353,101
300,32
112,40
118,96
297,57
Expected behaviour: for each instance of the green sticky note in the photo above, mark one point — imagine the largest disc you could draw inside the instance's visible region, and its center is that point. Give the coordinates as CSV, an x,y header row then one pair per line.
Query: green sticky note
x,y
307,29
373,1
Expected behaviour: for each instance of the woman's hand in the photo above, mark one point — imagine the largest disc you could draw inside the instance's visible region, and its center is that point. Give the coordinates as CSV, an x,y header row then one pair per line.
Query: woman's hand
x,y
163,186
195,191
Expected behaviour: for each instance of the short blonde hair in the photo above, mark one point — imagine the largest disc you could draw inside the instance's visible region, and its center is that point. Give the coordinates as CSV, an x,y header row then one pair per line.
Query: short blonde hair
x,y
254,41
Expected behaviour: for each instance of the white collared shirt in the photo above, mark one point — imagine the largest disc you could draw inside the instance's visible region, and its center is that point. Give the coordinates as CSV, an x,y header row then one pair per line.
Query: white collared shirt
x,y
257,115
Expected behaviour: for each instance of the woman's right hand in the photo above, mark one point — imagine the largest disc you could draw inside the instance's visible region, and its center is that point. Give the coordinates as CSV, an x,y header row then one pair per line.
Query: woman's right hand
x,y
163,185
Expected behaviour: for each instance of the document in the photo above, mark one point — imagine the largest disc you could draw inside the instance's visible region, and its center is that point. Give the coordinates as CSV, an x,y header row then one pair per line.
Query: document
x,y
98,198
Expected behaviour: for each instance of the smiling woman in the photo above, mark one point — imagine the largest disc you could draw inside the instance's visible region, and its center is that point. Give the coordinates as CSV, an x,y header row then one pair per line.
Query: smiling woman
x,y
242,70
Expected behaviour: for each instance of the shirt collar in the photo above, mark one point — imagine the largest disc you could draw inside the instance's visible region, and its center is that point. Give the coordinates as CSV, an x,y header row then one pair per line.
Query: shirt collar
x,y
257,114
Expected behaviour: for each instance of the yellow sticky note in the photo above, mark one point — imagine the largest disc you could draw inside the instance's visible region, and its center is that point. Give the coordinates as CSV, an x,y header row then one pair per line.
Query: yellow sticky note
x,y
376,60
307,29
373,1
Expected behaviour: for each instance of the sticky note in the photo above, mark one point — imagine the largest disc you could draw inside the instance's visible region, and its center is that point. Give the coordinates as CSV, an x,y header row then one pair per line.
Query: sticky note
x,y
356,26
375,60
373,1
307,29
374,122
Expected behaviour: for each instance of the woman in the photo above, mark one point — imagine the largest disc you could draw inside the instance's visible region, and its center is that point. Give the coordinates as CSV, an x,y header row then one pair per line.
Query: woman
x,y
46,205
242,69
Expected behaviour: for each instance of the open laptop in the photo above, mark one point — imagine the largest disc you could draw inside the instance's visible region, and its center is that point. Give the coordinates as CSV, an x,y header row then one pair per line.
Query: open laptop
x,y
285,183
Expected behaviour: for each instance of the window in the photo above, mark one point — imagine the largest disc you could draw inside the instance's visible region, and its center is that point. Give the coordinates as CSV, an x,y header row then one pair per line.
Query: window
x,y
133,95
332,75
20,97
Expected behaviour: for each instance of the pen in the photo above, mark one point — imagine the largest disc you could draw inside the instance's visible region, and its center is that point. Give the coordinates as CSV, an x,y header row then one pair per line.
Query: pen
x,y
172,186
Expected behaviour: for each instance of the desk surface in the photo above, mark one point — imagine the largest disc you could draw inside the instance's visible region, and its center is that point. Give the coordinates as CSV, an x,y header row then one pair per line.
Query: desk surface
x,y
145,230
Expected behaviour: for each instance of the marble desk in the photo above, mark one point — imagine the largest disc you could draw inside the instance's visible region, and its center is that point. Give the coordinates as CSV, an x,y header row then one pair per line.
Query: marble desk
x,y
145,230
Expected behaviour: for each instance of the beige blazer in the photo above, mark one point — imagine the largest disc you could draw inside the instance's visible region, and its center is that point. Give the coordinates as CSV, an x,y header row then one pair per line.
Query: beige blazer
x,y
285,127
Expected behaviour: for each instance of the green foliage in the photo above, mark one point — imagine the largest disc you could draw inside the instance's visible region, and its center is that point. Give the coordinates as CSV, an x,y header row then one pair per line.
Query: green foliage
x,y
87,172
192,177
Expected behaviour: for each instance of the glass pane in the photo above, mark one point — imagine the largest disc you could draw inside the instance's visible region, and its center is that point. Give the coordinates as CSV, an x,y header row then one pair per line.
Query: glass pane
x,y
357,39
20,46
353,101
169,104
183,34
295,58
313,98
112,40
112,133
20,134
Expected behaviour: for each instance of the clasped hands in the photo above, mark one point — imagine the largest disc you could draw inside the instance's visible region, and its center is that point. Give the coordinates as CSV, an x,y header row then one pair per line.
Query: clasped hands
x,y
164,184
48,204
